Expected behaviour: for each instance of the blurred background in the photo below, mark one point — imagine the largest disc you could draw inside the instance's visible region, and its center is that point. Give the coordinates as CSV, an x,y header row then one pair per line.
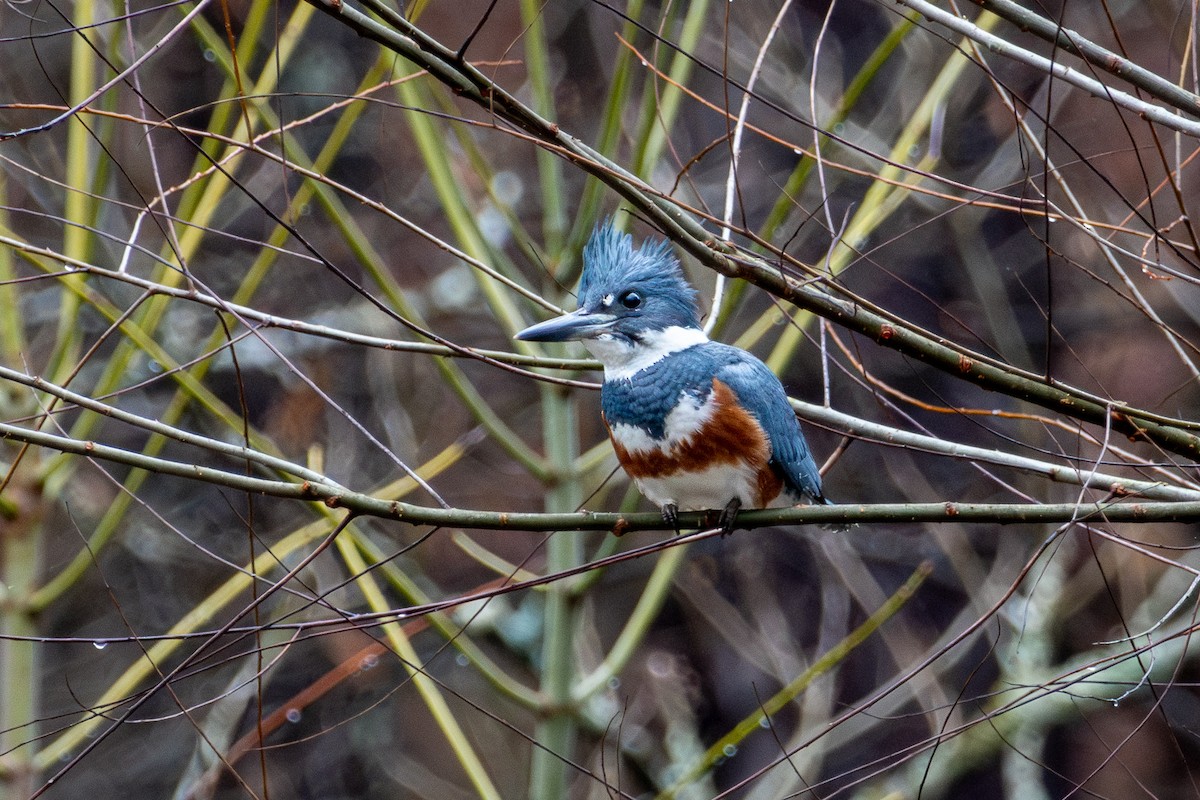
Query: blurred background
x,y
247,222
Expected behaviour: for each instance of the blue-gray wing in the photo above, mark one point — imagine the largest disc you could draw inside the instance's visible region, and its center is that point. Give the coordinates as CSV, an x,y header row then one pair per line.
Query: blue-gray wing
x,y
761,393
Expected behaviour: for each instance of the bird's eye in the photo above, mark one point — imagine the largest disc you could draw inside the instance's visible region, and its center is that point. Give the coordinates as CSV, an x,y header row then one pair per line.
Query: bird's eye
x,y
631,299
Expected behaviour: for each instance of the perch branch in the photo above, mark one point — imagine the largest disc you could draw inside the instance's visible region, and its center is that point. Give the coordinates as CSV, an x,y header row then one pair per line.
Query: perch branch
x,y
366,505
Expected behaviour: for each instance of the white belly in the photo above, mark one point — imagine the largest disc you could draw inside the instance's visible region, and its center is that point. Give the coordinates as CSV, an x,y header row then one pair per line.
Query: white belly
x,y
712,488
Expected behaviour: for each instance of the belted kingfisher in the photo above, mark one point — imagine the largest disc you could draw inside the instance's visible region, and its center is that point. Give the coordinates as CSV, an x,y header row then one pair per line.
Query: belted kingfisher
x,y
697,424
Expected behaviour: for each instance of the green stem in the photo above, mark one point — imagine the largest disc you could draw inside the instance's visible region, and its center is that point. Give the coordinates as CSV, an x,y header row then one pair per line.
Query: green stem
x,y
20,549
883,197
429,690
537,65
228,593
658,588
456,634
609,137
558,730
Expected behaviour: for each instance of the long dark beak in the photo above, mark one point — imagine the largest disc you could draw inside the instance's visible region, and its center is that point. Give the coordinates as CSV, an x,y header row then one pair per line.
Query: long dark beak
x,y
579,324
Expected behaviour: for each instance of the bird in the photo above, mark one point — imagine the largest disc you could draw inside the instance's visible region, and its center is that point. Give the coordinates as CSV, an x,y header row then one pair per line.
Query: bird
x,y
698,425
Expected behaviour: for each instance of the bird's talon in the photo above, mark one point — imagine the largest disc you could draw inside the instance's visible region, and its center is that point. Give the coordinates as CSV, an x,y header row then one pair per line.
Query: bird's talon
x,y
670,514
729,516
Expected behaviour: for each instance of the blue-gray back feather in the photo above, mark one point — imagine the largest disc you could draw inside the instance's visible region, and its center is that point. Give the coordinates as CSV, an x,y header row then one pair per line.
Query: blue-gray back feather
x,y
761,393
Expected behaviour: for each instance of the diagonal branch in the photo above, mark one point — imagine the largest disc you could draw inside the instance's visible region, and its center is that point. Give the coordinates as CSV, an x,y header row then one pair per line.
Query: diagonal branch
x,y
1113,63
1079,80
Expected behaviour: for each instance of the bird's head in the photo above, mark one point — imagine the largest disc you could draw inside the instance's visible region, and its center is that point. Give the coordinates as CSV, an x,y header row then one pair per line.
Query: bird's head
x,y
628,300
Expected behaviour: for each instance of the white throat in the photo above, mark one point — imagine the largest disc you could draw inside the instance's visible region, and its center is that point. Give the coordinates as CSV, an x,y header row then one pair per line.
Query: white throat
x,y
622,359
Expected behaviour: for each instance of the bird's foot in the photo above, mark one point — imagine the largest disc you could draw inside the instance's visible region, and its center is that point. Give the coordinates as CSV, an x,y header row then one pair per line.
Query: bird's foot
x,y
729,516
670,513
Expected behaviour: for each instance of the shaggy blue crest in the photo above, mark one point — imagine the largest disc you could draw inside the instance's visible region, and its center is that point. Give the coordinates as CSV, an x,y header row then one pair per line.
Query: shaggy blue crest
x,y
611,265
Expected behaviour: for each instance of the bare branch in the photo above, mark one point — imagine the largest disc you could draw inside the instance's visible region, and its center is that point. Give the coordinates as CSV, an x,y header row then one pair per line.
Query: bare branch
x,y
1114,63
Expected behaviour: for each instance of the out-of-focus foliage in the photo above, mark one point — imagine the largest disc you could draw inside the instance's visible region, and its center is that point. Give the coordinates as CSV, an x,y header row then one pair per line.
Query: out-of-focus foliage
x,y
244,222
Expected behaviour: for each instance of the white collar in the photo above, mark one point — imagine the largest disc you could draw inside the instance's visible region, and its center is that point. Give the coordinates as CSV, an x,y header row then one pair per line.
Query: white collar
x,y
623,359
